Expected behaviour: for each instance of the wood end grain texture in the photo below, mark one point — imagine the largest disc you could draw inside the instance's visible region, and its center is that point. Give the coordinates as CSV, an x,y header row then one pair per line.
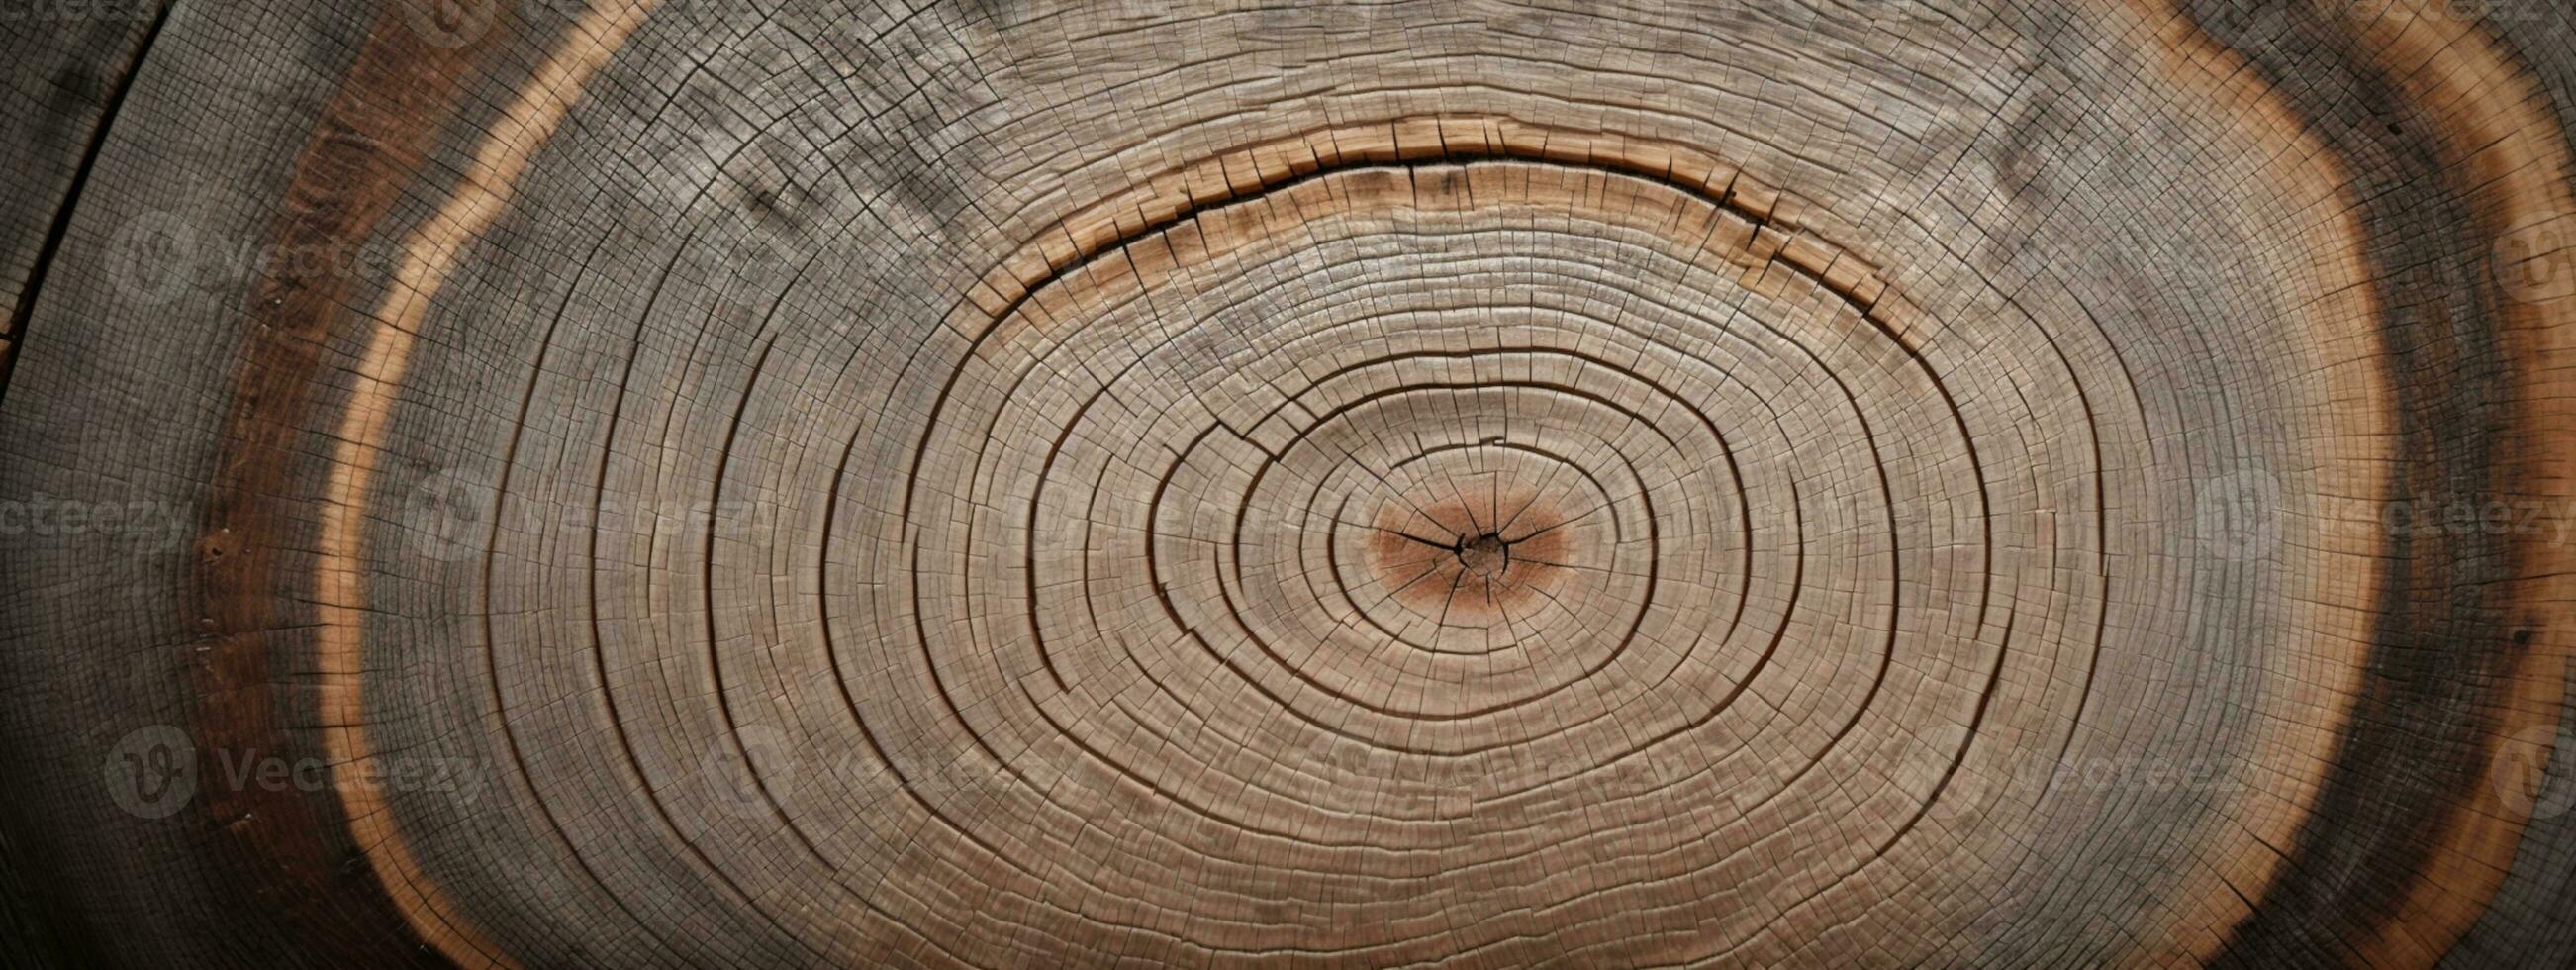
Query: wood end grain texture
x,y
489,483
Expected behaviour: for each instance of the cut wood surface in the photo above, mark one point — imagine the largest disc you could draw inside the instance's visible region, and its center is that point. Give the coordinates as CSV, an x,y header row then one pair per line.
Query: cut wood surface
x,y
563,483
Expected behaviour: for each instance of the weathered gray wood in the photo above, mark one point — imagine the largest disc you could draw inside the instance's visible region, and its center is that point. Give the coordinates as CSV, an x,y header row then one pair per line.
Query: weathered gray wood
x,y
1476,484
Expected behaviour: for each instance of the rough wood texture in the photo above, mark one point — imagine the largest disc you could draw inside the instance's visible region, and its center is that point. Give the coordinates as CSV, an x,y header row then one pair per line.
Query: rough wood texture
x,y
1476,484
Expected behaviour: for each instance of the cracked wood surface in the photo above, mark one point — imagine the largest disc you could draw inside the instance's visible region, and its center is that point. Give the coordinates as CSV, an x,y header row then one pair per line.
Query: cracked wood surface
x,y
1431,483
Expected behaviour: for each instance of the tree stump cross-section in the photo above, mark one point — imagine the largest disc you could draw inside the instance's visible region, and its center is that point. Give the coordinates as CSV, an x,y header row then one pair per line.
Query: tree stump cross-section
x,y
1467,484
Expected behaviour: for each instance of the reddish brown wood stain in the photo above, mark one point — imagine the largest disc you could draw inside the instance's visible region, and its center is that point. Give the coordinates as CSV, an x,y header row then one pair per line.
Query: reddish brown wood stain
x,y
367,146
1471,566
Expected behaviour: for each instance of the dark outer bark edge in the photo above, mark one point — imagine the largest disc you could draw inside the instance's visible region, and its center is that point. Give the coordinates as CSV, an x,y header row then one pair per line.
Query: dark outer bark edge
x,y
2414,749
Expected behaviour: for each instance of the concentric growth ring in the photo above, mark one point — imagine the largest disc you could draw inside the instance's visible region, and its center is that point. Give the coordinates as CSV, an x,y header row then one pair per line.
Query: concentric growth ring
x,y
1203,484
1387,519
